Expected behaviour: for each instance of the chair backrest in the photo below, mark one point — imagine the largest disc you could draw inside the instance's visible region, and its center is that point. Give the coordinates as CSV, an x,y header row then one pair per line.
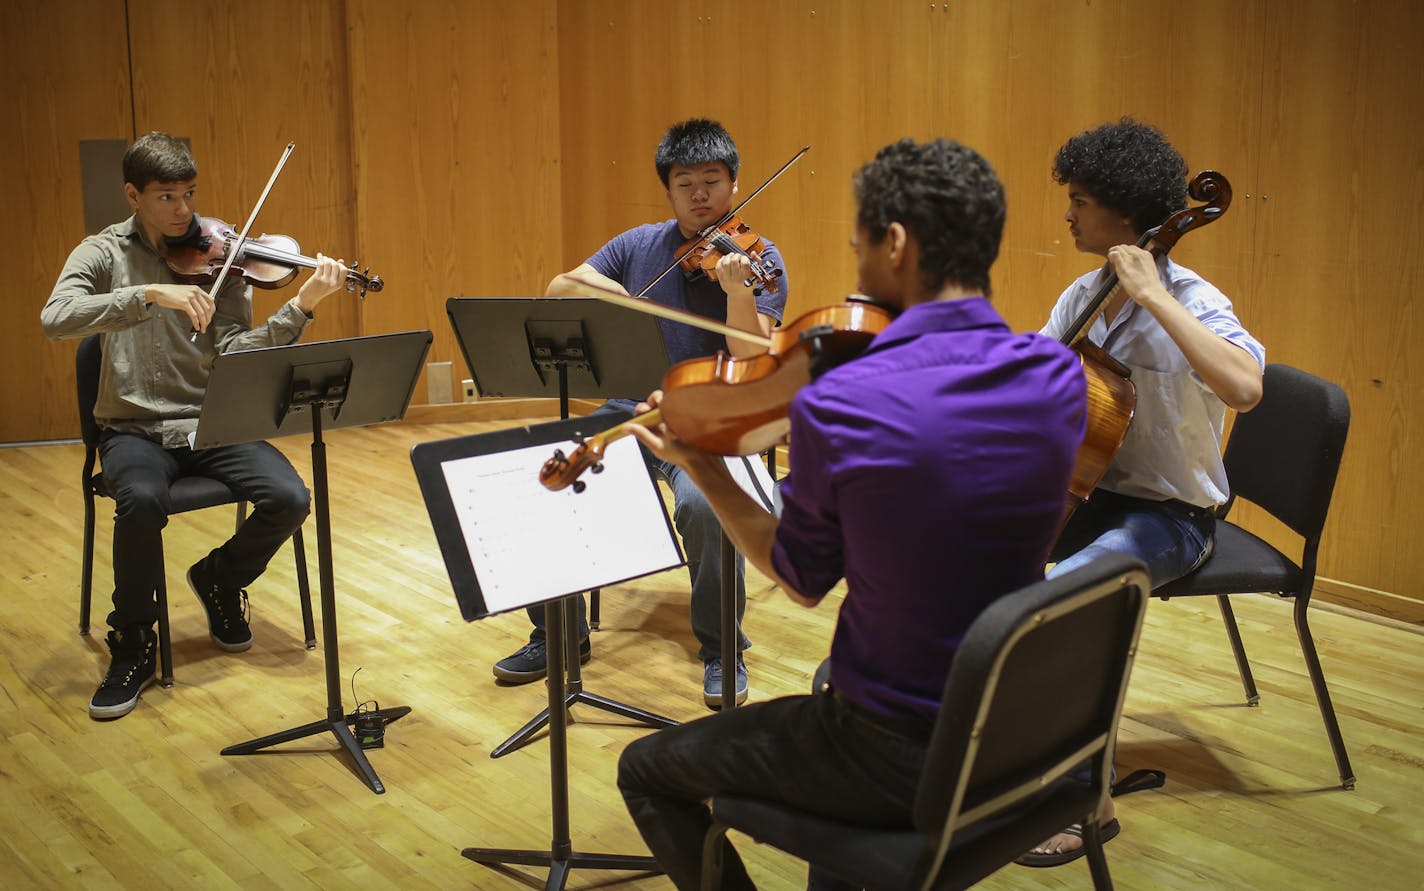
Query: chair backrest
x,y
86,377
1284,454
1036,688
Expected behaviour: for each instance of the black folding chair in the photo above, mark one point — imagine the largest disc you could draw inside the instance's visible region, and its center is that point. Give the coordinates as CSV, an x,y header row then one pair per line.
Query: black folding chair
x,y
1035,691
1282,456
188,493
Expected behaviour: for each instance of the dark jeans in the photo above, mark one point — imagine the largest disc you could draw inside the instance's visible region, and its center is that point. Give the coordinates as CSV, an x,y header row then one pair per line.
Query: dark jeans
x,y
1172,538
701,534
818,753
139,472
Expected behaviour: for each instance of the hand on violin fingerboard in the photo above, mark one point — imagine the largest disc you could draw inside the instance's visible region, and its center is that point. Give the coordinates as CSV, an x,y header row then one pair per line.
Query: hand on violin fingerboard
x,y
190,300
734,274
329,276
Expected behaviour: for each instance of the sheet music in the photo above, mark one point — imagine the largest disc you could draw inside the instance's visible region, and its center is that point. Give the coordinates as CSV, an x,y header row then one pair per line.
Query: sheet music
x,y
752,476
528,544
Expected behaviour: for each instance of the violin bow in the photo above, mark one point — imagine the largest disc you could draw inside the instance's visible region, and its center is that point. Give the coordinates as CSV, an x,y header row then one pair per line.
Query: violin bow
x,y
653,308
705,233
242,236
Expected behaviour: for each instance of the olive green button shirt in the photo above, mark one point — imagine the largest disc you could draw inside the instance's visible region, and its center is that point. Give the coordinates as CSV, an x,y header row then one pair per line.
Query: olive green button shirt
x,y
153,376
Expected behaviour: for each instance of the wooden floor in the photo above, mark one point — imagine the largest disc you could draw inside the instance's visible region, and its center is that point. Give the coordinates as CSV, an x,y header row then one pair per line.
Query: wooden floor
x,y
147,801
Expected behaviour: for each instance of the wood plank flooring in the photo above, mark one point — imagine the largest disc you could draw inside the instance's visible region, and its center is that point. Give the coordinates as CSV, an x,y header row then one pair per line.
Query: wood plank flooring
x,y
147,801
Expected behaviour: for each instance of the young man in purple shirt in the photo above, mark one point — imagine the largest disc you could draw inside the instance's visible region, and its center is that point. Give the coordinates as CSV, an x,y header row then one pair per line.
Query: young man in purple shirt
x,y
697,162
929,473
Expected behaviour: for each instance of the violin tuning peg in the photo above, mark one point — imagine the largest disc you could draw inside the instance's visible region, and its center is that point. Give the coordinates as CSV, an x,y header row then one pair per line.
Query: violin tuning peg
x,y
579,486
559,457
578,438
597,467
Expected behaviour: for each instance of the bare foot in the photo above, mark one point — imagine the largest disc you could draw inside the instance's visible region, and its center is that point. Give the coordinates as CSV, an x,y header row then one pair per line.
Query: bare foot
x,y
1065,842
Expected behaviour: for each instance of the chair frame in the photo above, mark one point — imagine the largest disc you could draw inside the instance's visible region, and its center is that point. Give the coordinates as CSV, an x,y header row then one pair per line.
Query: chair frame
x,y
955,745
87,361
1308,522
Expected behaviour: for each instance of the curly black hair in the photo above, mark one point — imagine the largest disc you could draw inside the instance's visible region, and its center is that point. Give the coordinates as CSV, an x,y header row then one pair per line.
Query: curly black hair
x,y
693,142
158,157
947,196
1128,166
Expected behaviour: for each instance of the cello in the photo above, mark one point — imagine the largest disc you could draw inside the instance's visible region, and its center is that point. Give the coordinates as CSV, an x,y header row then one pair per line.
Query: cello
x,y
1112,397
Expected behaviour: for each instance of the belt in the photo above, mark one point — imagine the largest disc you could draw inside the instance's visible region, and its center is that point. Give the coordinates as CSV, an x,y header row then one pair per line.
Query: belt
x,y
917,729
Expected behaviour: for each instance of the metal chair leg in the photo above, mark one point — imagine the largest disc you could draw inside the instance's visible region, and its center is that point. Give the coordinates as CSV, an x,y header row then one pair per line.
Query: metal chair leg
x,y
165,641
1097,860
86,575
1248,683
1322,694
304,588
713,844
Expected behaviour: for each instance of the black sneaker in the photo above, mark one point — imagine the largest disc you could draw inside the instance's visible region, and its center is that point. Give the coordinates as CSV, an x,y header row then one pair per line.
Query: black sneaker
x,y
712,683
133,665
531,662
227,610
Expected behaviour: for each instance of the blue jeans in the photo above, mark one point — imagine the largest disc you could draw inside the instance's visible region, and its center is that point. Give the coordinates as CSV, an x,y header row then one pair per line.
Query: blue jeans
x,y
139,472
1172,538
817,753
701,534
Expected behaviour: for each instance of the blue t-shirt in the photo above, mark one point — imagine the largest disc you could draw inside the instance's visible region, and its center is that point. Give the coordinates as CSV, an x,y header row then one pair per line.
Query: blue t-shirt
x,y
635,257
930,473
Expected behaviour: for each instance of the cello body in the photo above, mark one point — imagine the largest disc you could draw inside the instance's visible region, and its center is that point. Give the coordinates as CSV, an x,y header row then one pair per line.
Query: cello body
x,y
1112,399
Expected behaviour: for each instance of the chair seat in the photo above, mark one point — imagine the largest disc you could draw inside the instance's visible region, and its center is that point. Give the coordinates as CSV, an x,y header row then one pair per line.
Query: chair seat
x,y
890,857
188,493
1239,562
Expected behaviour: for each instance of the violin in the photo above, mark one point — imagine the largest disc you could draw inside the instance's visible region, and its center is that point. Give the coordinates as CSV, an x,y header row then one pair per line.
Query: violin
x,y
698,256
1112,397
738,406
269,262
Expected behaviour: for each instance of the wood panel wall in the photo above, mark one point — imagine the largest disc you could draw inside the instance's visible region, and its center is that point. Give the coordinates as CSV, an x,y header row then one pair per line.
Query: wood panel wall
x,y
479,148
65,67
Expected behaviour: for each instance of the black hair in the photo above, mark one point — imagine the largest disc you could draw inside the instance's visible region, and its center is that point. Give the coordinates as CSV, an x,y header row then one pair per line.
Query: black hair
x,y
698,141
158,157
947,196
1129,167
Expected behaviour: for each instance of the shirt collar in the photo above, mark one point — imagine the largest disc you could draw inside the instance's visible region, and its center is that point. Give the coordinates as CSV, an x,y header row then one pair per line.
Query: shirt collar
x,y
938,316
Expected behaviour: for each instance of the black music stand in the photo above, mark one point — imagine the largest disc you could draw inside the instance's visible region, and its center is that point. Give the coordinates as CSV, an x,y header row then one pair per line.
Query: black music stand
x,y
278,391
494,563
561,347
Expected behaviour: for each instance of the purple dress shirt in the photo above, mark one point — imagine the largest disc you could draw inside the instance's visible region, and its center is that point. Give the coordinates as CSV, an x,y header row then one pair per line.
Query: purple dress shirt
x,y
930,473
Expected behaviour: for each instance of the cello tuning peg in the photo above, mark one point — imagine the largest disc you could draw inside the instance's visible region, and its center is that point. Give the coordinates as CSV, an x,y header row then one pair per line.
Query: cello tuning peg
x,y
559,456
597,467
579,486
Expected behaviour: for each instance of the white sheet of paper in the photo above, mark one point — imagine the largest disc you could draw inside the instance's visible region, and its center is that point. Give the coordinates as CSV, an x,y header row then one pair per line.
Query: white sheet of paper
x,y
751,474
528,544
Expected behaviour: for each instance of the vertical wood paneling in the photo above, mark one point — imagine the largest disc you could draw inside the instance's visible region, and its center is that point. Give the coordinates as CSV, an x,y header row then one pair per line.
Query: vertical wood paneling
x,y
456,149
1340,271
65,70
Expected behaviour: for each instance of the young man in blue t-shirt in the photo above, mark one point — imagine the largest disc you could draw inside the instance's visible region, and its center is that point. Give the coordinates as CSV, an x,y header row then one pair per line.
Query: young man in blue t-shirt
x,y
697,162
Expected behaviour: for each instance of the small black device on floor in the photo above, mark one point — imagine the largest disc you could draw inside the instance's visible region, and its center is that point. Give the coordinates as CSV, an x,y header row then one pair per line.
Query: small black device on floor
x,y
370,725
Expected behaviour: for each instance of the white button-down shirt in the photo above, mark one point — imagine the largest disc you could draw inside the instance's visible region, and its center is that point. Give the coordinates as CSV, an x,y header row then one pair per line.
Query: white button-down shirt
x,y
1173,446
